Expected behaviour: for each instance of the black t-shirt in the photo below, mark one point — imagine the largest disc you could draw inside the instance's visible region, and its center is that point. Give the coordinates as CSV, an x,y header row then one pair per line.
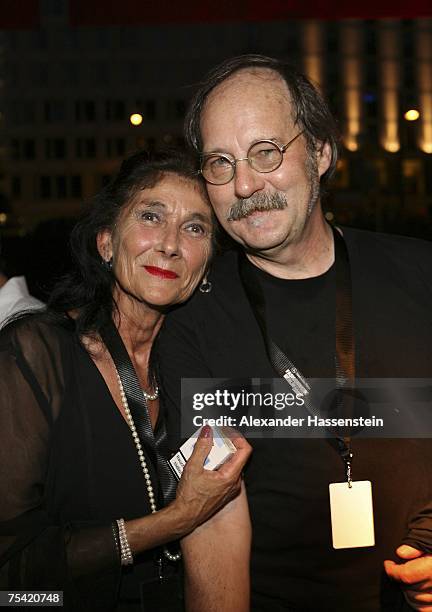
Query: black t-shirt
x,y
294,566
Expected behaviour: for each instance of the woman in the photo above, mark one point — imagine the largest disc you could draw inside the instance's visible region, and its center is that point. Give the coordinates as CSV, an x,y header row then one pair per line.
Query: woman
x,y
80,491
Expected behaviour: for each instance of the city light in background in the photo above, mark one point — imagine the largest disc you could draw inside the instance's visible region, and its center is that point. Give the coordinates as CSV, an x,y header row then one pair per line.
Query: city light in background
x,y
136,119
412,115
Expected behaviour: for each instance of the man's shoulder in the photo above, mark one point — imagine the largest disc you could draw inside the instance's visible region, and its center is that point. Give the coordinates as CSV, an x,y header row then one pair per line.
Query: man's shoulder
x,y
389,242
387,249
387,260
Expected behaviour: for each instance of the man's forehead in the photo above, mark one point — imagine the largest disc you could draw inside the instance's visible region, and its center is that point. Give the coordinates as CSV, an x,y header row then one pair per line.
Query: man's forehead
x,y
264,80
251,100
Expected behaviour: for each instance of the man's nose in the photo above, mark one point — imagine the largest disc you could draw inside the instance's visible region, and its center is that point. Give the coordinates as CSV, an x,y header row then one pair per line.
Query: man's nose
x,y
247,181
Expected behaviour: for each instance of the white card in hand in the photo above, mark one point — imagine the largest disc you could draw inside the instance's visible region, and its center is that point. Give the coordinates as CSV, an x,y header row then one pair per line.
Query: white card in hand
x,y
352,514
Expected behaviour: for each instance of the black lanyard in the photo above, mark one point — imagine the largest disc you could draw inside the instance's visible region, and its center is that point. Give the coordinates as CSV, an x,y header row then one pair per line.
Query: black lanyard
x,y
154,445
344,342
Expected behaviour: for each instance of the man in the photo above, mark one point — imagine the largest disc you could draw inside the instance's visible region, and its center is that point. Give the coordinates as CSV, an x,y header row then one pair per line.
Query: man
x,y
268,144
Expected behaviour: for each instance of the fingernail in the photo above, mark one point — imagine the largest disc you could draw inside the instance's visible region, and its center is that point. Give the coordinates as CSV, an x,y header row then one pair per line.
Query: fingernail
x,y
205,432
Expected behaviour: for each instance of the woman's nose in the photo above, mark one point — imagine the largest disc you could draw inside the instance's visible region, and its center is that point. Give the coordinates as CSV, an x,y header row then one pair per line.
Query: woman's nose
x,y
169,242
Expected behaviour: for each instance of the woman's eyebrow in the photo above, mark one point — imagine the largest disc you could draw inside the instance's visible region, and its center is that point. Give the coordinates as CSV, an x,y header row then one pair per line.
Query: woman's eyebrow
x,y
153,204
199,217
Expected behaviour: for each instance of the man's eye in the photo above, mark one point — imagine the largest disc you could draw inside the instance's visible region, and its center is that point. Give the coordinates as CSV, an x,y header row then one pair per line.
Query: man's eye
x,y
220,162
266,153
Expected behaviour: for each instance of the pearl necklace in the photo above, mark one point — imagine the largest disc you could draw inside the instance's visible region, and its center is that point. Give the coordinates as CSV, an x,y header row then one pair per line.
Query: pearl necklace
x,y
141,457
151,396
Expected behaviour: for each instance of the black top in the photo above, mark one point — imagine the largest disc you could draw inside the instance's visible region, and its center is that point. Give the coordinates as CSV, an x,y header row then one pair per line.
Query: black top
x,y
68,468
215,335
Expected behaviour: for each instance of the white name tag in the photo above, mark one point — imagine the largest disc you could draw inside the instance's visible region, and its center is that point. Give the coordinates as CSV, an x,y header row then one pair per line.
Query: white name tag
x,y
352,514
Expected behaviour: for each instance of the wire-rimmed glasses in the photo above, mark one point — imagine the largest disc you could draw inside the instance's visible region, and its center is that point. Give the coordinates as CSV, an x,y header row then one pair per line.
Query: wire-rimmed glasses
x,y
263,156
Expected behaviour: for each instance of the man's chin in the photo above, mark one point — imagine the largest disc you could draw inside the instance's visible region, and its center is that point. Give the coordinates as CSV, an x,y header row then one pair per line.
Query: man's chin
x,y
259,243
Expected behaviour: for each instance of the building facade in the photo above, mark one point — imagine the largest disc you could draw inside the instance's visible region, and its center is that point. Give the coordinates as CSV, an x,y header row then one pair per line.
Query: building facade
x,y
67,93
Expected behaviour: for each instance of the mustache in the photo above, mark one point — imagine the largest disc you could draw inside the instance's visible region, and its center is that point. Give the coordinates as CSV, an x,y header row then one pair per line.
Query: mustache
x,y
243,207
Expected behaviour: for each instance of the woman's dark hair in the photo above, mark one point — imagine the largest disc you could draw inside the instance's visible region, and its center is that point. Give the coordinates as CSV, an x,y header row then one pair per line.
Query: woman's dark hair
x,y
311,112
88,289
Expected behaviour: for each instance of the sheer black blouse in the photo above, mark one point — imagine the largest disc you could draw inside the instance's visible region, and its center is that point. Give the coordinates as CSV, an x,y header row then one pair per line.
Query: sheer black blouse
x,y
68,468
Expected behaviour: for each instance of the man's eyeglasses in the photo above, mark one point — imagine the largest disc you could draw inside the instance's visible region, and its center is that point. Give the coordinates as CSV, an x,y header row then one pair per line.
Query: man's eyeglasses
x,y
262,156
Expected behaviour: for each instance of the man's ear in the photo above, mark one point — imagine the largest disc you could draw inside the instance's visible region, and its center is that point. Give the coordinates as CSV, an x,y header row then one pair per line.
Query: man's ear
x,y
104,244
324,156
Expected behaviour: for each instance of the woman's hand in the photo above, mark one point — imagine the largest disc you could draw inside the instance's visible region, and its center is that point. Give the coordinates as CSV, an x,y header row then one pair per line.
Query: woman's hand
x,y
201,492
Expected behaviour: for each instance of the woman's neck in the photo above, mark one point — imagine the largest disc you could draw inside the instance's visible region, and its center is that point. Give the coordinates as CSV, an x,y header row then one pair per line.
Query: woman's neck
x,y
138,325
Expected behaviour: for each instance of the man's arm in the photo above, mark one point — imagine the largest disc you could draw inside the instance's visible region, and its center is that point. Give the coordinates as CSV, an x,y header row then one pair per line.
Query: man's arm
x,y
216,560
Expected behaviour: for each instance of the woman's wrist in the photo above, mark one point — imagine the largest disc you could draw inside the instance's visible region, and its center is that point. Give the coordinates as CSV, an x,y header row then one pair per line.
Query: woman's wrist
x,y
184,521
166,525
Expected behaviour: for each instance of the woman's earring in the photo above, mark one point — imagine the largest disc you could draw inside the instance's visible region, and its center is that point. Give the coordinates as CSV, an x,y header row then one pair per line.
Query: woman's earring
x,y
205,286
107,264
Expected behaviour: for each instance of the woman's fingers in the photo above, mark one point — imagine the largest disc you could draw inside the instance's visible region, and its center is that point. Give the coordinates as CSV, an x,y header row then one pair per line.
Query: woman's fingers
x,y
234,467
201,449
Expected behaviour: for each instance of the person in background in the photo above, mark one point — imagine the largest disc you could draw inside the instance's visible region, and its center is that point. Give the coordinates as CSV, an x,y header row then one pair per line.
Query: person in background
x,y
14,294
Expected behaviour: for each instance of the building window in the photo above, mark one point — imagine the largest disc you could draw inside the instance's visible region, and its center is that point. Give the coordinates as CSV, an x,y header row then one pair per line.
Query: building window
x,y
85,148
76,186
29,149
115,110
23,149
148,108
55,148
371,76
45,187
332,39
15,149
61,189
115,147
85,110
22,112
54,111
16,187
370,39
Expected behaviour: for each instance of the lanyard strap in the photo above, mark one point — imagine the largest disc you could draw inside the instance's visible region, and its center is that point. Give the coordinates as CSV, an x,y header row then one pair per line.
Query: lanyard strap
x,y
344,341
155,445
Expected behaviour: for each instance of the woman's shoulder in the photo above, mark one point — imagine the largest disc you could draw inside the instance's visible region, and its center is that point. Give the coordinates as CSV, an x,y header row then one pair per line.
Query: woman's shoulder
x,y
37,333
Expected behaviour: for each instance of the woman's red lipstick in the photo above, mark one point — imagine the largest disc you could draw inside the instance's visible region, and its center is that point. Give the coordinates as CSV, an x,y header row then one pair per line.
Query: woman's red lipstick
x,y
161,272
